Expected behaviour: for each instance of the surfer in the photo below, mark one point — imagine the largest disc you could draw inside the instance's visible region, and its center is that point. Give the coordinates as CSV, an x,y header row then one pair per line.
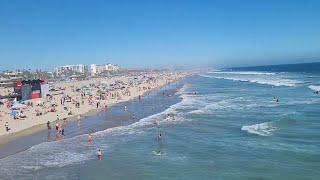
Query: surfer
x,y
99,154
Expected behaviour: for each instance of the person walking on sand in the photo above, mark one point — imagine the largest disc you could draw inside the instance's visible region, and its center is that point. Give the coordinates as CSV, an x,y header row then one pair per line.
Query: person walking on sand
x,y
97,104
7,127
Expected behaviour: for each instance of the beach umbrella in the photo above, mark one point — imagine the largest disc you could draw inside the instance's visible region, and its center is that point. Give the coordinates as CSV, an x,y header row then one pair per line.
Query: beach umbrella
x,y
13,114
18,106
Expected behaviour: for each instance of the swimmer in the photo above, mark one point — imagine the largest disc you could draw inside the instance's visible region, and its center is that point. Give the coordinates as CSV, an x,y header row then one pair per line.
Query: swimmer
x,y
160,136
125,108
99,154
157,152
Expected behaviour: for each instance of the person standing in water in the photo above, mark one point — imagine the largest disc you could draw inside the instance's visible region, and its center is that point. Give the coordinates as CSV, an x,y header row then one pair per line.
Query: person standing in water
x,y
90,139
57,126
99,154
48,125
62,131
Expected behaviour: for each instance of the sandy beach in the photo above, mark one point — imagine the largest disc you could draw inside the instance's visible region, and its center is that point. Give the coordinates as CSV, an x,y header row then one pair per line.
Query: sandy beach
x,y
75,99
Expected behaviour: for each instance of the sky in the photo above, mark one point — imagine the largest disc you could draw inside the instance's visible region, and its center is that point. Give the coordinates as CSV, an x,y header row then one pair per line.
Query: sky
x,y
42,34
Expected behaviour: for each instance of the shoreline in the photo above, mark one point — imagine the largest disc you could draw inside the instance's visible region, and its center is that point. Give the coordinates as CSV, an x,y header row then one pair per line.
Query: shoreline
x,y
20,126
13,141
4,139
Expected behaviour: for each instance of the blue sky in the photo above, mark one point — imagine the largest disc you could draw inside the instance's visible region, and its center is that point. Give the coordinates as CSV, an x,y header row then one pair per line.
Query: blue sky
x,y
158,33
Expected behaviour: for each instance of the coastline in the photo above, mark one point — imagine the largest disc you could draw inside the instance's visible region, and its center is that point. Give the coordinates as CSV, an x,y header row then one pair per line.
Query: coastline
x,y
17,141
20,126
4,139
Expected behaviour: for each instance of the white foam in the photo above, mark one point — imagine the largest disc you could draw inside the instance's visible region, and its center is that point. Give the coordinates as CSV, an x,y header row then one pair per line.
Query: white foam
x,y
243,72
314,87
262,129
222,104
76,149
266,80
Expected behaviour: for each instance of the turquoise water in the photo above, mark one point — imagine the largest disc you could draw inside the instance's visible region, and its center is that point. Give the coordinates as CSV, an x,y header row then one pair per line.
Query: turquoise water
x,y
232,128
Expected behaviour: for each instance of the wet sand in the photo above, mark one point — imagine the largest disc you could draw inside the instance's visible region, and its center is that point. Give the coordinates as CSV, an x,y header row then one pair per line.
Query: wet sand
x,y
114,116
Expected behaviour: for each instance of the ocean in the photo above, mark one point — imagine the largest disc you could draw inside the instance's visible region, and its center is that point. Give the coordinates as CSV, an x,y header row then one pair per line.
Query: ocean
x,y
223,124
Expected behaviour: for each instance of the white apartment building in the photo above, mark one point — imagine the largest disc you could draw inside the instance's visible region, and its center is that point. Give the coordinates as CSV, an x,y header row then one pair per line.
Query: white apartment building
x,y
78,68
100,68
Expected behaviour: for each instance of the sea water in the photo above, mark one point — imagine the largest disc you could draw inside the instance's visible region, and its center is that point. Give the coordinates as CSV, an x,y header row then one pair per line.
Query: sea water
x,y
227,125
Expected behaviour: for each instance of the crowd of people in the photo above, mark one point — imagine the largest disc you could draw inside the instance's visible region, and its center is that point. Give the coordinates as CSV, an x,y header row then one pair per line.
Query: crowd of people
x,y
73,98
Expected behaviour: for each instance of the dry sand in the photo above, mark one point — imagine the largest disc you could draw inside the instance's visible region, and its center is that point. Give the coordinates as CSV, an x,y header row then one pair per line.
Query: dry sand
x,y
22,126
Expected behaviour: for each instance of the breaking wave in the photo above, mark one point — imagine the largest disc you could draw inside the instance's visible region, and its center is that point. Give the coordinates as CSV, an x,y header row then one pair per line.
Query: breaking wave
x,y
262,129
255,77
243,72
75,150
314,87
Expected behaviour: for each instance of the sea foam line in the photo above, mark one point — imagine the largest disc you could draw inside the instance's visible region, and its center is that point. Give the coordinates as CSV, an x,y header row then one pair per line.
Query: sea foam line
x,y
76,150
242,72
265,80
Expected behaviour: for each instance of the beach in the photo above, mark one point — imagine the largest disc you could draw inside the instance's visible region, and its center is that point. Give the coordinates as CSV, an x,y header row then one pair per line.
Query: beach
x,y
213,125
114,116
67,101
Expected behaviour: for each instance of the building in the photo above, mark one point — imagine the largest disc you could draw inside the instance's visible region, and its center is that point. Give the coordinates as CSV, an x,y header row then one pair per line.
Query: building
x,y
103,68
4,82
112,67
9,78
79,68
